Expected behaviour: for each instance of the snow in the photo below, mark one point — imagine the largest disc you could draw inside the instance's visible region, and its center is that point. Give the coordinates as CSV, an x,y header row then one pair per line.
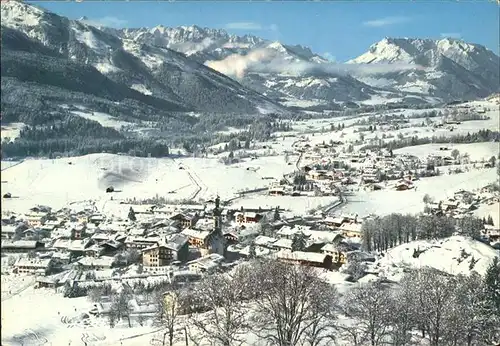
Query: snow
x,y
492,210
104,119
476,151
58,183
88,38
141,88
296,205
444,255
385,202
17,15
106,67
11,130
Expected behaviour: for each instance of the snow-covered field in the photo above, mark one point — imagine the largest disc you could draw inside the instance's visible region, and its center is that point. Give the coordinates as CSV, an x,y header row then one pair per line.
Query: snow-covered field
x,y
59,182
476,151
104,119
384,202
62,181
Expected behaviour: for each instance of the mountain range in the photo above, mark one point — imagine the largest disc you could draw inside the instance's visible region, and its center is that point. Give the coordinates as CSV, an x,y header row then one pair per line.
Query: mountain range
x,y
179,77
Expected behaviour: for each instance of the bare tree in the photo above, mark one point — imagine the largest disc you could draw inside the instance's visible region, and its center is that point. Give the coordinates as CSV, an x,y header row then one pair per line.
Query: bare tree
x,y
403,317
455,153
356,269
369,305
433,294
225,321
427,199
169,308
293,304
120,306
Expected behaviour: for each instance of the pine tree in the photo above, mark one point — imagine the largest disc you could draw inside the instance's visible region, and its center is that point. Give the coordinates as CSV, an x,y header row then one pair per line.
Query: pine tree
x,y
131,214
492,285
298,242
252,253
490,221
276,216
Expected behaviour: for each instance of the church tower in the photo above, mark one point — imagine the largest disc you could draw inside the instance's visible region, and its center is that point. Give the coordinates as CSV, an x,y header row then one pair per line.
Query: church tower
x,y
217,216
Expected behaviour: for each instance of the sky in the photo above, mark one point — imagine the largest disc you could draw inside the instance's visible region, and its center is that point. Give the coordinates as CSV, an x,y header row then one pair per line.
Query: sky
x,y
336,30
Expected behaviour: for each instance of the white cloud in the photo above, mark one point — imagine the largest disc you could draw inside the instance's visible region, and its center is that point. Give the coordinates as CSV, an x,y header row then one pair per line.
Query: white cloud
x,y
268,60
244,26
386,21
108,21
251,26
451,35
329,56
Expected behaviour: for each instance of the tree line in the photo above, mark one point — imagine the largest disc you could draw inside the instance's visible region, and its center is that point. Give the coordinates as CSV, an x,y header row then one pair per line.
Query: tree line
x,y
383,233
484,135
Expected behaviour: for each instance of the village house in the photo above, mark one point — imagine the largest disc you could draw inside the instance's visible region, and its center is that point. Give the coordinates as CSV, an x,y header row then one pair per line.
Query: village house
x,y
305,258
8,231
33,266
206,264
139,243
351,230
334,222
90,263
248,217
21,246
332,250
34,220
186,220
265,242
176,248
283,244
319,175
206,241
276,190
46,282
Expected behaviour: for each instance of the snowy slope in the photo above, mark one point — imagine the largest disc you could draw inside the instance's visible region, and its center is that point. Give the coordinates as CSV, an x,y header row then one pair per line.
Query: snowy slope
x,y
452,255
160,72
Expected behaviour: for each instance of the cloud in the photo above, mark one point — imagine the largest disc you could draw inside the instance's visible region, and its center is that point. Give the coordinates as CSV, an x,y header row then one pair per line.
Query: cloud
x,y
451,35
192,47
251,26
329,56
243,26
273,27
386,21
108,21
268,60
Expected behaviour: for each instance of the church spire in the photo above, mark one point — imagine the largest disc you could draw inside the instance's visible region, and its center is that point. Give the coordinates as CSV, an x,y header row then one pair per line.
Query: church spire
x,y
217,215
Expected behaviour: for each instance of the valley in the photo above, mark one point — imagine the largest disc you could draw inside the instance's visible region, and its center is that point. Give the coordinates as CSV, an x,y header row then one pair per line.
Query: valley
x,y
190,186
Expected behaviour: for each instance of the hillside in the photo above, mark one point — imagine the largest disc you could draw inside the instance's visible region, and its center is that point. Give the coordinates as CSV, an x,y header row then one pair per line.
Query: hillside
x,y
454,255
60,67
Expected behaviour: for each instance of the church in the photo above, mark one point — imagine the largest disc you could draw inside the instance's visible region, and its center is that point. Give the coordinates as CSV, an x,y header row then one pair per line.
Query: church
x,y
209,240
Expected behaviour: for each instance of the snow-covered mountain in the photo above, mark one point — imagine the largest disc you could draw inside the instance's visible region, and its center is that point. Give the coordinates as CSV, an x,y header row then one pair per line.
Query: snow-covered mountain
x,y
211,70
445,69
152,70
449,68
292,72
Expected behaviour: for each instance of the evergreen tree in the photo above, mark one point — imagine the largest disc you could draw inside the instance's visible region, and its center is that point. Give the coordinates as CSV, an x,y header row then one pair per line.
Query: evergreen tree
x,y
492,285
251,251
299,242
276,216
131,215
490,221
